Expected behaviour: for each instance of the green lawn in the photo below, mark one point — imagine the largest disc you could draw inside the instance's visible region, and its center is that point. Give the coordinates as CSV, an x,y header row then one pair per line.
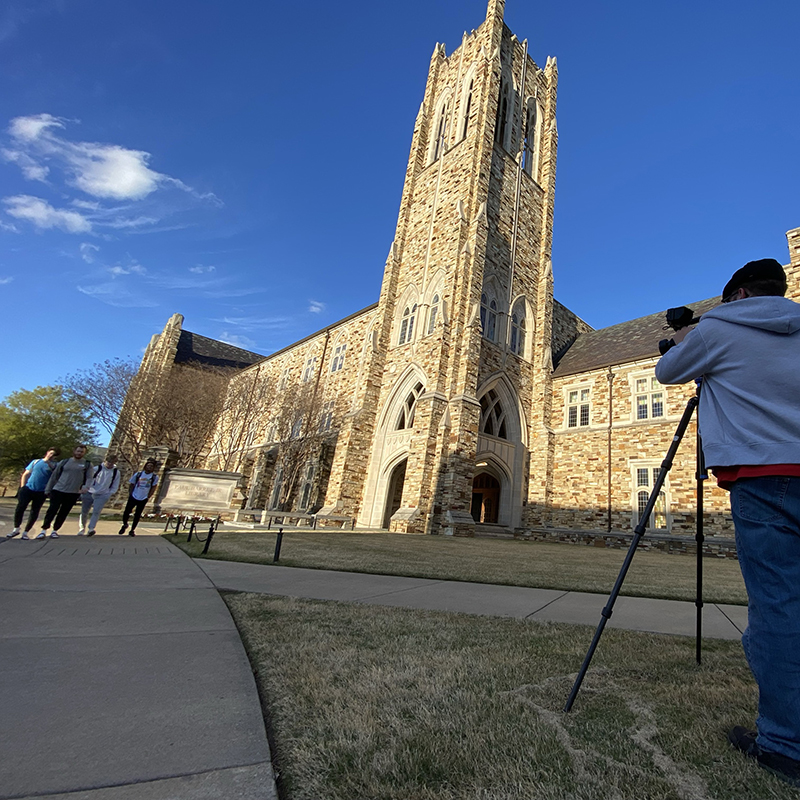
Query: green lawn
x,y
483,560
393,704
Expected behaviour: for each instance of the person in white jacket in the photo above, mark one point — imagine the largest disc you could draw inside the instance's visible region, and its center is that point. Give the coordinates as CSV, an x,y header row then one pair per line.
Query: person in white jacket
x,y
104,485
747,351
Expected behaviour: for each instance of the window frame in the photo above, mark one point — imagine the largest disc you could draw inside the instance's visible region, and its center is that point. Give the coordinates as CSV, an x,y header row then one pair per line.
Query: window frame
x,y
653,388
640,492
578,404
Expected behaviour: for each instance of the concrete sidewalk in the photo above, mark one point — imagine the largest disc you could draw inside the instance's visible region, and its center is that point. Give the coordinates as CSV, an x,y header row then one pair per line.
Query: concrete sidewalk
x,y
124,677
630,613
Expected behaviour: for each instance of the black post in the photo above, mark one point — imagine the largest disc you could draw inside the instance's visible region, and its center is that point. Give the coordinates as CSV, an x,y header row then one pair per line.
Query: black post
x,y
211,529
278,542
639,531
191,529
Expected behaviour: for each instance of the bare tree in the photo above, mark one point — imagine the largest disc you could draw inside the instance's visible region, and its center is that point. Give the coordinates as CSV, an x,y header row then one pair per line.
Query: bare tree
x,y
300,426
179,411
186,411
242,417
103,389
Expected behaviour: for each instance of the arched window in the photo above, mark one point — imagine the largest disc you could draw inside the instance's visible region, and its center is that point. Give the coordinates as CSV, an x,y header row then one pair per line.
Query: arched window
x,y
434,312
488,317
517,339
407,324
530,145
493,417
503,113
406,418
467,109
337,362
440,132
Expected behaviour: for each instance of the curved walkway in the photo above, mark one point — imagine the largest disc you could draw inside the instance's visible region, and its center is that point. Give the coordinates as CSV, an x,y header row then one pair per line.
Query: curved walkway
x,y
124,677
632,613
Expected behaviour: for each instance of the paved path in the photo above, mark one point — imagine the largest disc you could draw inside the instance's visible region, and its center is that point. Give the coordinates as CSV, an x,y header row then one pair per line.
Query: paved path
x,y
124,677
631,613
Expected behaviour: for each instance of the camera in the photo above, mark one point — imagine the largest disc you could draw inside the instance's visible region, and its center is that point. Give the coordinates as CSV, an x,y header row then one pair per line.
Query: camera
x,y
677,318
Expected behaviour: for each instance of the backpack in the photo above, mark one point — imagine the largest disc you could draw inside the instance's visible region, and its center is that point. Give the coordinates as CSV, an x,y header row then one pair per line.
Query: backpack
x,y
113,477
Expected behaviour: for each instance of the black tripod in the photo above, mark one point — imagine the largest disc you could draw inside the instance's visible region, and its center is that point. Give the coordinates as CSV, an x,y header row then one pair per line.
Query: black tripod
x,y
640,531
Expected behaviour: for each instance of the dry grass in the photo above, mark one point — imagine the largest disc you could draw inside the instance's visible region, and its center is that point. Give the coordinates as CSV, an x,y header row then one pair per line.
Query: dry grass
x,y
502,561
391,704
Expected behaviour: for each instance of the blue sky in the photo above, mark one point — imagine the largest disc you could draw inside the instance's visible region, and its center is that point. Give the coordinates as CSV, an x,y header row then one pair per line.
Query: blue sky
x,y
241,162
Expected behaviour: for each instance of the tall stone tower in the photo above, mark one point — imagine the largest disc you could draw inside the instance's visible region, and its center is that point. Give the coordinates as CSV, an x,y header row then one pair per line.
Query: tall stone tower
x,y
448,426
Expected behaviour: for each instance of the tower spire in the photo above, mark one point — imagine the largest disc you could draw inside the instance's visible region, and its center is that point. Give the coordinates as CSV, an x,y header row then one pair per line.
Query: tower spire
x,y
495,10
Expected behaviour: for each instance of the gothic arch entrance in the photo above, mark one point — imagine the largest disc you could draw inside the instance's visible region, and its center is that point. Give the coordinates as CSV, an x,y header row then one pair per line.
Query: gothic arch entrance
x,y
485,498
394,494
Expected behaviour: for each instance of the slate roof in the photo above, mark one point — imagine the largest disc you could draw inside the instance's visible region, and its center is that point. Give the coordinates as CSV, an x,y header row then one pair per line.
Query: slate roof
x,y
620,344
200,349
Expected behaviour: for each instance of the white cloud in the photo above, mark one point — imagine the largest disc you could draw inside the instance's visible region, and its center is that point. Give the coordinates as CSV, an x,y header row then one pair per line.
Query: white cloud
x,y
41,214
133,268
7,226
88,252
29,128
236,340
315,306
107,171
31,169
6,280
201,270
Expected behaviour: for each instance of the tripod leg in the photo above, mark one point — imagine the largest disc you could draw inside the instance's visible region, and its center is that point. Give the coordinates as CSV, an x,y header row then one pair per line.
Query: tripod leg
x,y
699,539
639,532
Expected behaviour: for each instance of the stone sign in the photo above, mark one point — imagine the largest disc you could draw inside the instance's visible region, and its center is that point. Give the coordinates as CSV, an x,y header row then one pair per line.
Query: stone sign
x,y
198,490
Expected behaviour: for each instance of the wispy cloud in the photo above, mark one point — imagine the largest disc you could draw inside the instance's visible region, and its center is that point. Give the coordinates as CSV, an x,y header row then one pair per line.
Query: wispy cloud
x,y
134,268
315,306
114,294
88,252
42,215
201,270
237,340
5,280
252,324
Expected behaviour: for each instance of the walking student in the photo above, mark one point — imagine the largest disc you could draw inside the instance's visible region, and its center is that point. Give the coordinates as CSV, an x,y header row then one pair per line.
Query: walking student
x,y
31,490
140,489
747,351
70,479
104,485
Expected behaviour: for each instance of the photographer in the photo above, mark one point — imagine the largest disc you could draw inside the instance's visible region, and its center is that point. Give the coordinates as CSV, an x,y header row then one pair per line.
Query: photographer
x,y
747,351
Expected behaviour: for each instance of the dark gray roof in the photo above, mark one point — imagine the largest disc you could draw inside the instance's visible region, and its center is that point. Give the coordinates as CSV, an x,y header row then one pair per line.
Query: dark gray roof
x,y
192,347
620,344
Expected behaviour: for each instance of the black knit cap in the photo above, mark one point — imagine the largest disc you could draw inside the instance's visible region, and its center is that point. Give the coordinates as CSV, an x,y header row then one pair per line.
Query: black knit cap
x,y
765,269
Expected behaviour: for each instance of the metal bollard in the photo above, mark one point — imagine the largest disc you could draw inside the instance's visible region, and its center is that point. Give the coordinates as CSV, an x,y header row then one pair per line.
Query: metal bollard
x,y
191,529
278,546
211,529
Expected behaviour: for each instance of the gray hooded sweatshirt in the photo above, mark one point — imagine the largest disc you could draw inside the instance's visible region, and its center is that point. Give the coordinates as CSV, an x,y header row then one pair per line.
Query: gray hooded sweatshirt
x,y
748,354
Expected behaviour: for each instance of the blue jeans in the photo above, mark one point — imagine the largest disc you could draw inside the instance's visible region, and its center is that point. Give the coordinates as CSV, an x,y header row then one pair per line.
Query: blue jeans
x,y
766,512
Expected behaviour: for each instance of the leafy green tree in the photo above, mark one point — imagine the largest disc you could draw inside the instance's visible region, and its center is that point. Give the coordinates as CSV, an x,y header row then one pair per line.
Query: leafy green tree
x,y
32,421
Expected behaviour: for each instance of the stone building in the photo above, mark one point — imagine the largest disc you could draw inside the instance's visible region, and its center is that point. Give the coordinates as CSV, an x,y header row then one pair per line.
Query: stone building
x,y
467,398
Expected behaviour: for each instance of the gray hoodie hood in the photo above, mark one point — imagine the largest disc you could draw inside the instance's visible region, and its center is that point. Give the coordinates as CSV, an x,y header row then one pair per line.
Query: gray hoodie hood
x,y
775,314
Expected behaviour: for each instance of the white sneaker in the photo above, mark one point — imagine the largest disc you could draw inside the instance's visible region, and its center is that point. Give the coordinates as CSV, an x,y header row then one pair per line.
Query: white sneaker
x,y
80,533
54,535
24,535
42,535
12,534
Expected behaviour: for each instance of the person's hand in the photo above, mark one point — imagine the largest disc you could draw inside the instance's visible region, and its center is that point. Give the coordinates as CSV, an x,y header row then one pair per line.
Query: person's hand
x,y
680,335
